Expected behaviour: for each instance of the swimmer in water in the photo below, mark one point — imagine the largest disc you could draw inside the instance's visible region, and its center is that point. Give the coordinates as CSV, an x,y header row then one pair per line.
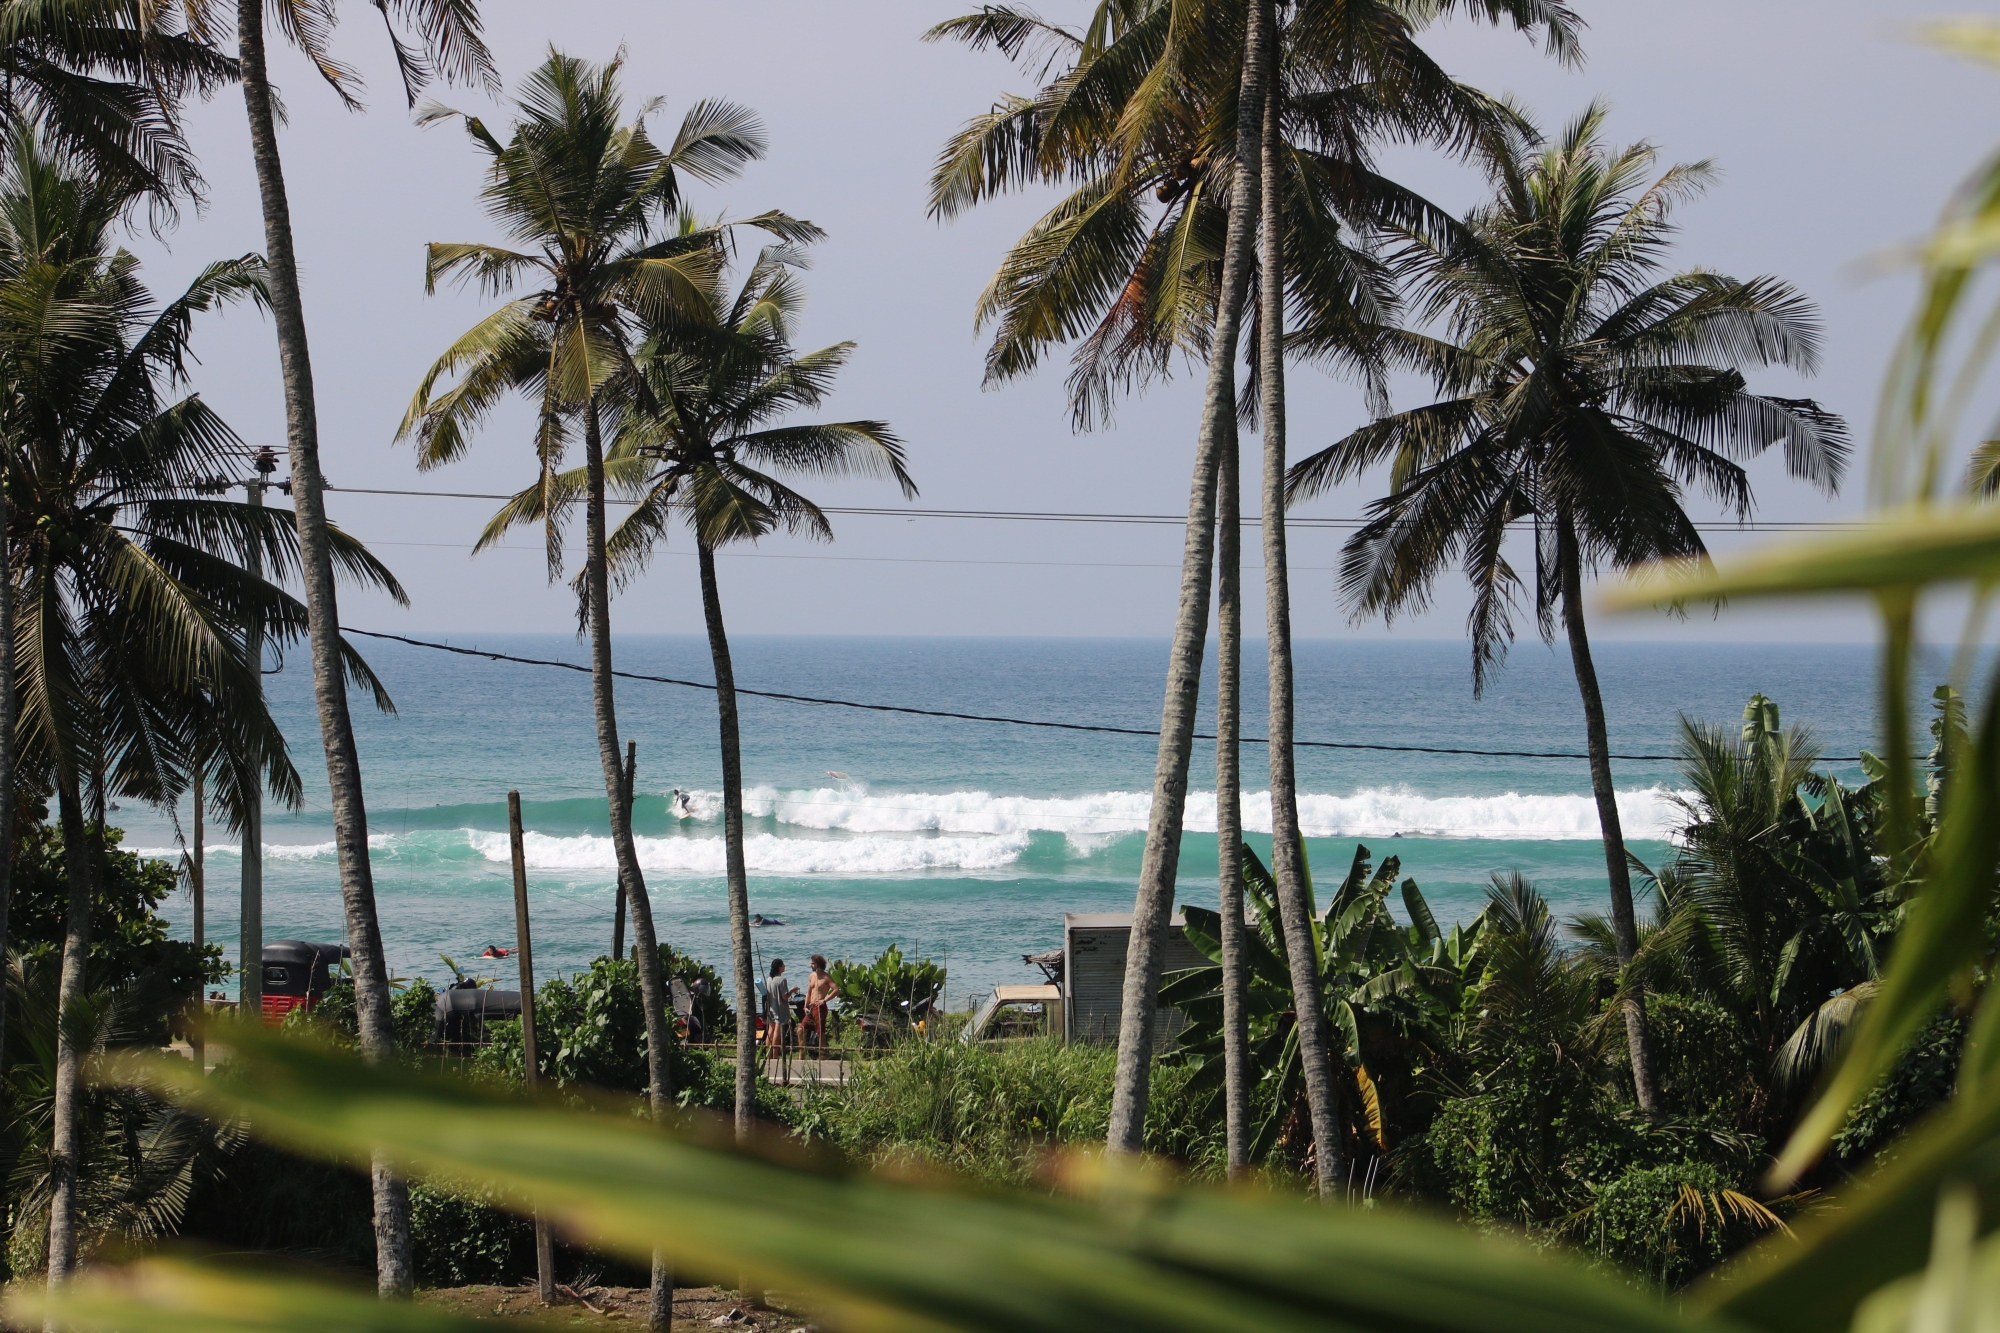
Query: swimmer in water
x,y
761,920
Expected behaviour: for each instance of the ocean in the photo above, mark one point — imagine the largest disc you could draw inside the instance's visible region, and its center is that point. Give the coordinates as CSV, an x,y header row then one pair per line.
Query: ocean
x,y
962,841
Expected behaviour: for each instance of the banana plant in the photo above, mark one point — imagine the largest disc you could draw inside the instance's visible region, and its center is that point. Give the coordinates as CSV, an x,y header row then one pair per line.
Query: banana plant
x,y
1381,983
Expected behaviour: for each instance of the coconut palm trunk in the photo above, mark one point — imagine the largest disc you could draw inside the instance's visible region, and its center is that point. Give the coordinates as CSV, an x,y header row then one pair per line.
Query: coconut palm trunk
x,y
9,711
69,1060
732,833
393,1274
1229,803
1287,852
1152,908
1624,928
617,792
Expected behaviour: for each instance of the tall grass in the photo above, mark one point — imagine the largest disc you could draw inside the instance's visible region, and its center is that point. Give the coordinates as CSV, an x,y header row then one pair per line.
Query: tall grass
x,y
994,1112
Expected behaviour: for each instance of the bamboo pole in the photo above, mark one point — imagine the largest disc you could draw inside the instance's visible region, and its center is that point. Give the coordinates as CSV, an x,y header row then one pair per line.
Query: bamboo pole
x,y
545,1261
631,781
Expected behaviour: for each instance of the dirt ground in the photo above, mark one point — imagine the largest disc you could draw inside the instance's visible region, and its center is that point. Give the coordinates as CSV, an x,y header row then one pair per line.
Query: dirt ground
x,y
695,1308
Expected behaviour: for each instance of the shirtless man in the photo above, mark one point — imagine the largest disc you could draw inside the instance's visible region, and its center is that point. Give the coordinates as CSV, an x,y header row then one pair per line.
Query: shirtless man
x,y
820,988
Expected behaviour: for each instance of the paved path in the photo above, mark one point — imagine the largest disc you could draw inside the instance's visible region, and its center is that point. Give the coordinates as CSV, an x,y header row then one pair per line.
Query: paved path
x,y
800,1070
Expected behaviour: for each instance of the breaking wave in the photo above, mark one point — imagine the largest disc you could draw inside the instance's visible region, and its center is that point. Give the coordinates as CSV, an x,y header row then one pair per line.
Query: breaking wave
x,y
766,853
1376,812
855,833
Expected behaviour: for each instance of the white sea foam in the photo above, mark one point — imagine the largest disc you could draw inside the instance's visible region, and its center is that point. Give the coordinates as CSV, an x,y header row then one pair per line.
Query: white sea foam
x,y
273,851
1090,821
888,833
765,853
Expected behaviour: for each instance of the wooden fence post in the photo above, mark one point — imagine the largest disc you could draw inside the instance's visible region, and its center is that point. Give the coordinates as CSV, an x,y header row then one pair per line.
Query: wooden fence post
x,y
545,1260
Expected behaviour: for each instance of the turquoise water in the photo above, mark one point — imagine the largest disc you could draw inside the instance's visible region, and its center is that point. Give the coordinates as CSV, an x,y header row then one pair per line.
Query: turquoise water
x,y
965,841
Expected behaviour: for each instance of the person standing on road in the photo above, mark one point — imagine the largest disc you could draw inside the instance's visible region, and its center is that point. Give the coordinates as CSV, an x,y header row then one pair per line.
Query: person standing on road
x,y
820,989
777,1007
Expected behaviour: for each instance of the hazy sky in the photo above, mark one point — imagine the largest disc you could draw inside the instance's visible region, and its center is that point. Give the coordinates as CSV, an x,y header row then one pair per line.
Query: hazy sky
x,y
1834,133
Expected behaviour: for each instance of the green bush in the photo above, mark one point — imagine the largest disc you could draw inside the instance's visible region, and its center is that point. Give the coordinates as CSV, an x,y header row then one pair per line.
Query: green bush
x,y
1672,1223
267,1200
992,1111
128,937
459,1237
1522,1148
886,985
1701,1059
1922,1079
590,1031
412,1015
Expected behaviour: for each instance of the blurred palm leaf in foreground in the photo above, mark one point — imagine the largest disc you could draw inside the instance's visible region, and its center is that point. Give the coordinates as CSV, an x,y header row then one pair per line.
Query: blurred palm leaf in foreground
x,y
869,1251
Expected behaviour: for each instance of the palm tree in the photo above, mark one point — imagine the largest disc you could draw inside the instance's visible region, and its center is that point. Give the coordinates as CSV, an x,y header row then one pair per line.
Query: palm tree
x,y
137,1155
132,594
438,38
1774,907
696,437
1581,400
103,83
592,201
1076,128
1338,72
1150,108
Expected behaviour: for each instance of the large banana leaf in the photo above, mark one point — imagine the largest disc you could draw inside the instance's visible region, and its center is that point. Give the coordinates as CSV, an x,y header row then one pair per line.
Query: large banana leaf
x,y
872,1252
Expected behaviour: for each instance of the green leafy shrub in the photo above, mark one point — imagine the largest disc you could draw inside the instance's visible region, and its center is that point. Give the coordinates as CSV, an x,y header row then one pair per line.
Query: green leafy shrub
x,y
1520,1148
1921,1080
1701,1058
992,1111
268,1200
462,1236
412,1015
1672,1222
591,1031
413,1011
128,937
886,985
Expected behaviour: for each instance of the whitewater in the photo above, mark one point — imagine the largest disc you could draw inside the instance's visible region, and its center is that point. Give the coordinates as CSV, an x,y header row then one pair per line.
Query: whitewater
x,y
964,841
982,831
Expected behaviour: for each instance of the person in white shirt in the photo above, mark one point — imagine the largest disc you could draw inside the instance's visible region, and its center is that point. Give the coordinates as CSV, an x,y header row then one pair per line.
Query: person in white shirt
x,y
777,1007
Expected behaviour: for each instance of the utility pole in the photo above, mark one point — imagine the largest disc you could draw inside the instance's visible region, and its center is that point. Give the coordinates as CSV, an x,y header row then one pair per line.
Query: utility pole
x,y
250,950
545,1262
197,1042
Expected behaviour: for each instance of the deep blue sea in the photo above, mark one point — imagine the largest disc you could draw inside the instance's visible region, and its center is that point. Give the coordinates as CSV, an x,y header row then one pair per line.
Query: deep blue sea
x,y
963,841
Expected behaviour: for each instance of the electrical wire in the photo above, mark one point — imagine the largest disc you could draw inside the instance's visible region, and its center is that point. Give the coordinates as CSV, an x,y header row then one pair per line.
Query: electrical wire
x,y
1062,516
905,709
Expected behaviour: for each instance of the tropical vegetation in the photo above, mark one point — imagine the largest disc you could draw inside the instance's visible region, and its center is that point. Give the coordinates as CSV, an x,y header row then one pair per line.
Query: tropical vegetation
x,y
1763,1080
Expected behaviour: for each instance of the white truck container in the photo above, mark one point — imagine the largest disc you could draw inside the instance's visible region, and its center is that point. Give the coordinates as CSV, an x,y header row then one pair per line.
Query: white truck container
x,y
1094,948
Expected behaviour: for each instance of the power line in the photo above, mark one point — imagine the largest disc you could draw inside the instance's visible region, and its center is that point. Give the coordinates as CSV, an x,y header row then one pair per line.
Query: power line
x,y
854,559
1064,516
1017,721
